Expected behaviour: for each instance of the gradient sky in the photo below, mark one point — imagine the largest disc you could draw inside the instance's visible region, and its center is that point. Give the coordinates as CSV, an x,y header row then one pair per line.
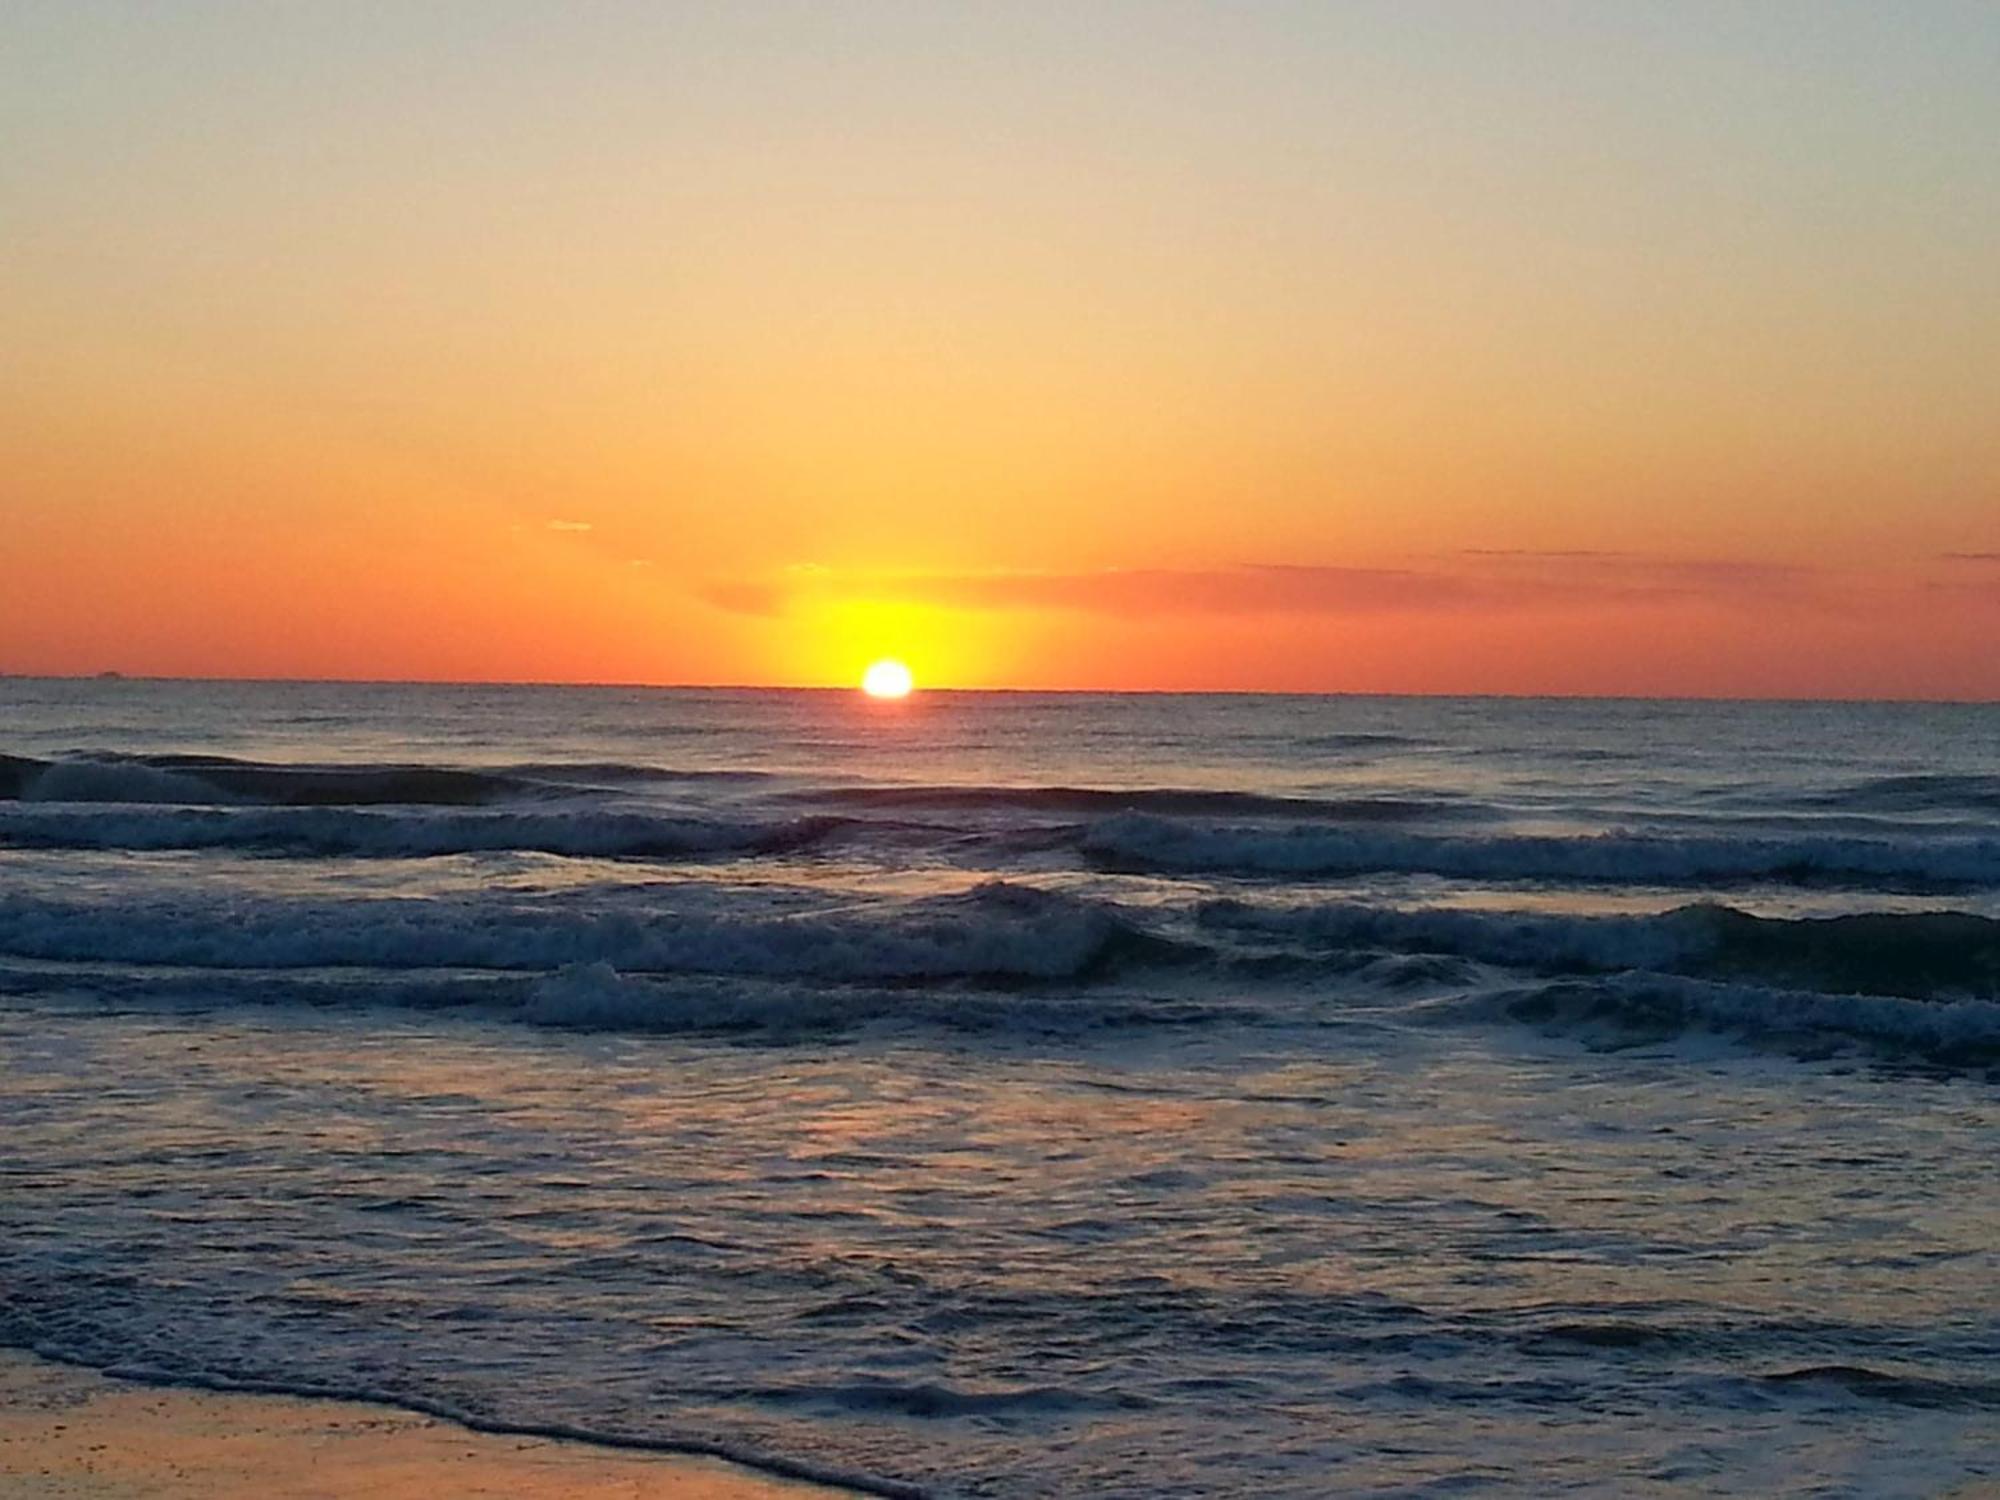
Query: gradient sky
x,y
1489,347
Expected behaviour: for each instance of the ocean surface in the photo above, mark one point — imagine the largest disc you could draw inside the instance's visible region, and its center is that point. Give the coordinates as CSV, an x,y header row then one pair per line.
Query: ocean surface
x,y
1013,1095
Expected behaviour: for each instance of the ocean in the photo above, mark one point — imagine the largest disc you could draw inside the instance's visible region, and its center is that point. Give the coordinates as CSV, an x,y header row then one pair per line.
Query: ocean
x,y
1025,1095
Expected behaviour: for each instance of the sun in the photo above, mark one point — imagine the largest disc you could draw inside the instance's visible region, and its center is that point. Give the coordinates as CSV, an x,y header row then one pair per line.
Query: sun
x,y
887,679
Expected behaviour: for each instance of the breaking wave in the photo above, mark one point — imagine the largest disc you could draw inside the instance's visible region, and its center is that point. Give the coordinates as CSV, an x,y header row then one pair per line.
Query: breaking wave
x,y
997,933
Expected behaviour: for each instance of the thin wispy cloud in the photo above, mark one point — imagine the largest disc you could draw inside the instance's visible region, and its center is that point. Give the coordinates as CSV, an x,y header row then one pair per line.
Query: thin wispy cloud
x,y
1532,552
1259,588
571,526
746,597
1635,576
1467,582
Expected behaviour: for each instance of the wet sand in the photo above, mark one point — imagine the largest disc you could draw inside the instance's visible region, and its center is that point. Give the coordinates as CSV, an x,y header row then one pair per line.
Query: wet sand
x,y
78,1435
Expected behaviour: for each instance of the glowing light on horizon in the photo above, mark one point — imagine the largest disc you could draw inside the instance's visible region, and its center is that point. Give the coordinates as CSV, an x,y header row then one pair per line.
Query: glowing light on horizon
x,y
887,678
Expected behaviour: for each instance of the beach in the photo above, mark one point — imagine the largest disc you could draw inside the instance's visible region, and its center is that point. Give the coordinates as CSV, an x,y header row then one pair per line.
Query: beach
x,y
72,1434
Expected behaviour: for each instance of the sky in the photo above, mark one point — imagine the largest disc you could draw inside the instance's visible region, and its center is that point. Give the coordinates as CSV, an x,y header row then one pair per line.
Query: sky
x,y
1498,346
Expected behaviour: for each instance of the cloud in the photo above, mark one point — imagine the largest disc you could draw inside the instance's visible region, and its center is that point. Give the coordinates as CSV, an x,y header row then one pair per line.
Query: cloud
x,y
1971,557
1497,580
1567,554
1257,588
1635,575
746,597
571,526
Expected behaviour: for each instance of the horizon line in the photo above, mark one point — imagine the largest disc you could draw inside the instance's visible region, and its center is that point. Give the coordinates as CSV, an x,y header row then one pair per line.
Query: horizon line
x,y
112,676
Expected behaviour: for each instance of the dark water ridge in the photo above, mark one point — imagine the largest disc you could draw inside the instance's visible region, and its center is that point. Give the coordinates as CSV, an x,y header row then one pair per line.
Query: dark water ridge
x,y
381,833
198,780
1918,792
1918,955
1623,1010
219,780
1164,801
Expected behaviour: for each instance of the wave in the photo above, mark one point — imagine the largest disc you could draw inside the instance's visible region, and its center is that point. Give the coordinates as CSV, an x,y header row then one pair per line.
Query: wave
x,y
996,933
1356,740
1136,842
595,773
225,781
1950,1034
1923,792
1916,955
596,997
1164,801
381,833
929,1400
1902,1389
212,780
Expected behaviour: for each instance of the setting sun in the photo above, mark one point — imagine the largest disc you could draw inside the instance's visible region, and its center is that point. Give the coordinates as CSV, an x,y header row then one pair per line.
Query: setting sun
x,y
887,679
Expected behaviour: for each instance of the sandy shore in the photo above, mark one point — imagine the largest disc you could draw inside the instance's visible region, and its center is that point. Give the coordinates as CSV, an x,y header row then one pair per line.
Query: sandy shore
x,y
78,1435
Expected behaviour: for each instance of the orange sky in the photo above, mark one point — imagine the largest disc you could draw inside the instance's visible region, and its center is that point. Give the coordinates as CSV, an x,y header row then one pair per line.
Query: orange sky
x,y
1634,348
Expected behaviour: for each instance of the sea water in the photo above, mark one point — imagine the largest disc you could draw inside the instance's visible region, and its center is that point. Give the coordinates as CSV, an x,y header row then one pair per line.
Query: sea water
x,y
1014,1095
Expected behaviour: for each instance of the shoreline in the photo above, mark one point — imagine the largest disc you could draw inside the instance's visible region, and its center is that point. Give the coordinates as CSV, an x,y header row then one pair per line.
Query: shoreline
x,y
72,1433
